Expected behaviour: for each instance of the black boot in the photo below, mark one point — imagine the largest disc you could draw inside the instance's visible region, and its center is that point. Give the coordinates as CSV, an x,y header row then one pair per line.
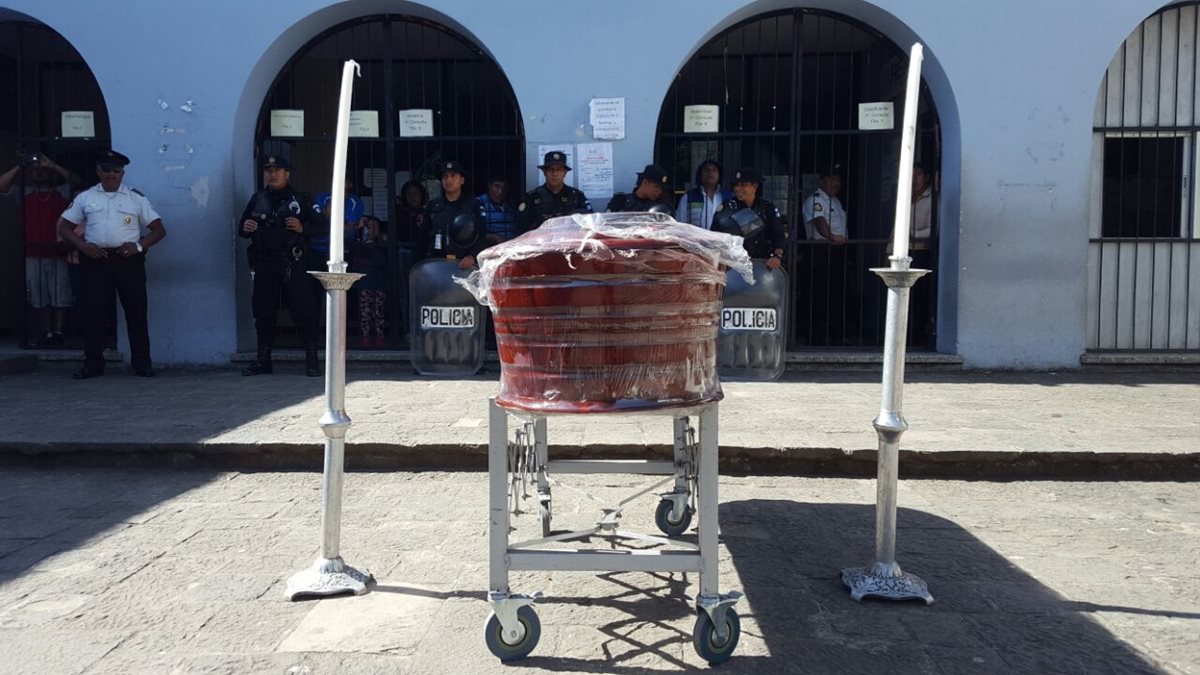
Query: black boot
x,y
262,366
312,367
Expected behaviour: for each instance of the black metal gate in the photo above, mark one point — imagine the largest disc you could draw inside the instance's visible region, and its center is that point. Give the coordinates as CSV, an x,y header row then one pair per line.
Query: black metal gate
x,y
1144,245
788,88
54,116
441,83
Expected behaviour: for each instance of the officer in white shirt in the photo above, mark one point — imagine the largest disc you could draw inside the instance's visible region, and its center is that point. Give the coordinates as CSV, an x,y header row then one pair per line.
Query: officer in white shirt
x,y
824,215
830,304
113,259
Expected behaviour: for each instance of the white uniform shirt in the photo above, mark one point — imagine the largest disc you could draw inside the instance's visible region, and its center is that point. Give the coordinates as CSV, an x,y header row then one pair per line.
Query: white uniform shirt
x,y
111,218
821,205
922,215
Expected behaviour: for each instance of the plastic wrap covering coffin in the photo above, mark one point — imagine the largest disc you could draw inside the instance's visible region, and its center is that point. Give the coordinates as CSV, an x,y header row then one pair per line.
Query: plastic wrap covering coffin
x,y
608,312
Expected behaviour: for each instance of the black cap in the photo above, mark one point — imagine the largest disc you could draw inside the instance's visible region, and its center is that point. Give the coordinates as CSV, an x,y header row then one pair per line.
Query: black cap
x,y
451,167
554,158
653,173
831,170
112,157
277,161
748,175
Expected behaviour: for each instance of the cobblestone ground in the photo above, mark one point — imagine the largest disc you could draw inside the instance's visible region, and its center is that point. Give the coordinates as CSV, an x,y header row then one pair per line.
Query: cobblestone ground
x,y
110,571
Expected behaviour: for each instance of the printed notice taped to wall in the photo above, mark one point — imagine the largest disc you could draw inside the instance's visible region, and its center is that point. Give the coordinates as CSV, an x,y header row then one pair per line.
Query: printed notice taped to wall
x,y
417,122
607,118
287,122
876,116
364,123
78,124
595,166
701,119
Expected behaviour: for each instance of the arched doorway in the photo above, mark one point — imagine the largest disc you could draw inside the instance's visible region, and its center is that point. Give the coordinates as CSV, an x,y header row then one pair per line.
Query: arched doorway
x,y
52,125
426,95
796,93
1144,245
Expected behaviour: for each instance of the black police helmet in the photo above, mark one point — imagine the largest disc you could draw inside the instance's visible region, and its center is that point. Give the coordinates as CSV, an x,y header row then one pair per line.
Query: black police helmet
x,y
743,223
464,230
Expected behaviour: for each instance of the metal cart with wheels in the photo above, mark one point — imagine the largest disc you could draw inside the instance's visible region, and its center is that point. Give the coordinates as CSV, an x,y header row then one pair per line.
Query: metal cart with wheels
x,y
521,461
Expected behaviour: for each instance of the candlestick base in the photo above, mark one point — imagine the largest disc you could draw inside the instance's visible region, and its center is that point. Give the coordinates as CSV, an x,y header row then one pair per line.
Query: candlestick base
x,y
328,576
885,581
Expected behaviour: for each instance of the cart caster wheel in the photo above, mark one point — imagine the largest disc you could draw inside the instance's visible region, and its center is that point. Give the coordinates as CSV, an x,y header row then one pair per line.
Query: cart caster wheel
x,y
500,646
670,526
710,647
544,516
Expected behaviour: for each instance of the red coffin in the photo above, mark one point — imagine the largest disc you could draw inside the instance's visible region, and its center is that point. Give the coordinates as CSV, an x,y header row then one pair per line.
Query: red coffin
x,y
632,328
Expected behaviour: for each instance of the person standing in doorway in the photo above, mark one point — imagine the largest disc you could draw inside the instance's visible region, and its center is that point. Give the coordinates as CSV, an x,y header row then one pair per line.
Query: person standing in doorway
x,y
280,224
47,279
499,213
770,243
113,260
825,221
698,205
454,227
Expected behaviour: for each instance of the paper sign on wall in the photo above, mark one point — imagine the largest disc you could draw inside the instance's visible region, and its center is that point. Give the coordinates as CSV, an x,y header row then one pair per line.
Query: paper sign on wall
x,y
78,124
416,122
595,166
287,122
607,118
700,119
566,149
876,116
364,123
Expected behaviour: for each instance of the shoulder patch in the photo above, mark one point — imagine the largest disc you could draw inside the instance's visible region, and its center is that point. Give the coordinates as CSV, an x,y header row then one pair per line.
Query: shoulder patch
x,y
521,207
817,208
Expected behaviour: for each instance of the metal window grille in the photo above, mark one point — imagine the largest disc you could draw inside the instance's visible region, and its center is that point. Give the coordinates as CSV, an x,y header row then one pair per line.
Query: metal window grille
x,y
1144,245
41,77
788,86
407,63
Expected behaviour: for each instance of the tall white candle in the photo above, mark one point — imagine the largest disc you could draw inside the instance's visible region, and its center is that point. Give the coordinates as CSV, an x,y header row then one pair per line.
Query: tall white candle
x,y
907,154
337,203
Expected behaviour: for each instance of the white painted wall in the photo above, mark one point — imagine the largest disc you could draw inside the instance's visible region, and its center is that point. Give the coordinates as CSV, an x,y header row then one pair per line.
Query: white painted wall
x,y
1015,83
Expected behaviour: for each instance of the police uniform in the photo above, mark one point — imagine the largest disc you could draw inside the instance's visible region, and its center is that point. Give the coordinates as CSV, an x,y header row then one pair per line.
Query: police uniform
x,y
435,236
629,201
280,260
540,204
110,220
774,235
831,301
821,205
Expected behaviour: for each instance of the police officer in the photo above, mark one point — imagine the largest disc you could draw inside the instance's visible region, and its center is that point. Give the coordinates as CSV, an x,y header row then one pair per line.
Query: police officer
x,y
113,257
647,195
831,298
280,224
552,198
824,216
747,194
454,223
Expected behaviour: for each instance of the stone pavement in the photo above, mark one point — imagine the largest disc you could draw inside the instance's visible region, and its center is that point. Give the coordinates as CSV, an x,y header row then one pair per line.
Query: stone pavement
x,y
1116,424
182,571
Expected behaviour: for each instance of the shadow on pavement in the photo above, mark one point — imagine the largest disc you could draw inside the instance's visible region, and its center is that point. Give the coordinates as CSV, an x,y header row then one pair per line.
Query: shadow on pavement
x,y
797,617
44,534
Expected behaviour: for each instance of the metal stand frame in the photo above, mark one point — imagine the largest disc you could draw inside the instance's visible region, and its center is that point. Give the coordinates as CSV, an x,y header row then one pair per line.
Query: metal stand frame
x,y
515,465
330,575
885,579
